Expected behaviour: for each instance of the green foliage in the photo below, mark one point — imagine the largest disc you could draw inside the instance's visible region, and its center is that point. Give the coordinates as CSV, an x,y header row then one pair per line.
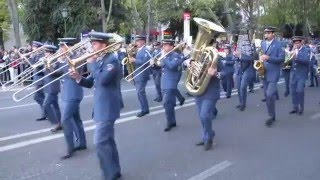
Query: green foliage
x,y
4,16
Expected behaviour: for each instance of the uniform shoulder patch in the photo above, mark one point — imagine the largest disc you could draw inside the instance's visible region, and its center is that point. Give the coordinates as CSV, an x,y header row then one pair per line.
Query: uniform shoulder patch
x,y
110,67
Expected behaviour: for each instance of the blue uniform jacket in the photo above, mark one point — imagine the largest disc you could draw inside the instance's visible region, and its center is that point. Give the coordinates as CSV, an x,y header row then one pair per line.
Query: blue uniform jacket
x,y
245,64
228,65
273,65
213,89
105,80
54,87
39,75
71,91
142,57
156,53
171,71
300,65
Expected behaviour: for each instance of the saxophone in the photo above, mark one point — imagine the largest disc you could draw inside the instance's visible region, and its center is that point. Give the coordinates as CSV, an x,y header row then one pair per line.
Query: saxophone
x,y
204,56
131,52
259,65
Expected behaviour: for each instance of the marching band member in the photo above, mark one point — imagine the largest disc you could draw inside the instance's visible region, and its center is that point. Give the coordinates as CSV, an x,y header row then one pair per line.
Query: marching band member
x,y
228,68
156,71
39,95
313,65
286,70
273,57
244,76
71,95
141,80
299,74
169,81
206,104
105,79
50,103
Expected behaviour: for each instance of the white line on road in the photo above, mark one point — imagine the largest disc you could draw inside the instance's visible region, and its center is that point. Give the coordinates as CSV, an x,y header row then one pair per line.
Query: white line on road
x,y
87,96
211,171
55,136
84,122
315,116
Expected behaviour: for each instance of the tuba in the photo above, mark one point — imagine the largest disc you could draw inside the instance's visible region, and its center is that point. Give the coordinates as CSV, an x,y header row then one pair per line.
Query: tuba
x,y
131,52
204,56
259,66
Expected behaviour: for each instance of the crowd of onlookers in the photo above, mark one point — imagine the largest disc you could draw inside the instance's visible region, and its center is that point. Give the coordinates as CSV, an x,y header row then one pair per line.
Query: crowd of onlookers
x,y
10,66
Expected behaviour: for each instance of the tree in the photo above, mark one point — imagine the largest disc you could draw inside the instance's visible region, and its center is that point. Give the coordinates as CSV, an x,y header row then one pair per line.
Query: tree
x,y
13,8
4,21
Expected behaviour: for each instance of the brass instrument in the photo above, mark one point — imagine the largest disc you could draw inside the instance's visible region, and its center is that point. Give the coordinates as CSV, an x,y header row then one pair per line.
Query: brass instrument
x,y
73,64
259,66
131,52
204,56
154,59
288,60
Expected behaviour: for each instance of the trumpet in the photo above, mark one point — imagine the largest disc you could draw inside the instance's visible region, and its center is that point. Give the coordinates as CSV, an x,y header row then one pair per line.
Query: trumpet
x,y
156,61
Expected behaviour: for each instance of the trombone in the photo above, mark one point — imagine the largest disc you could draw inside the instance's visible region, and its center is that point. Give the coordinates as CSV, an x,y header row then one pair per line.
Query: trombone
x,y
72,63
47,62
156,60
21,59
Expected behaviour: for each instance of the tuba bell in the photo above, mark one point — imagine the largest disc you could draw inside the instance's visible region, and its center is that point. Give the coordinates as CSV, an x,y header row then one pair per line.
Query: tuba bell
x,y
203,57
259,66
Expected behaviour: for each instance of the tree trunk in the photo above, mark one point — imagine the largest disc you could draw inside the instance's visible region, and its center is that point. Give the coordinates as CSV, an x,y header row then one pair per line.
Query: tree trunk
x,y
103,16
138,25
1,39
109,12
13,8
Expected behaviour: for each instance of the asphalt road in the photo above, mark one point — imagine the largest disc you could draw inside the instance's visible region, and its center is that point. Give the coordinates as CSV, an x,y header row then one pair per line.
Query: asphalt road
x,y
245,149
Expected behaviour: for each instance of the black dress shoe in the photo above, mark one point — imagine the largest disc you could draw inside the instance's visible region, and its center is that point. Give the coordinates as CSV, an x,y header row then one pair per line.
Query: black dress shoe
x,y
182,101
201,143
116,176
41,119
169,127
251,91
311,85
208,145
269,122
293,112
228,97
67,156
264,100
80,148
300,112
57,128
238,106
140,114
242,108
286,94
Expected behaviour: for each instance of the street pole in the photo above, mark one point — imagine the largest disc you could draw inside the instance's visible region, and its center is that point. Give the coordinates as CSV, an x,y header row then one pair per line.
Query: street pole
x,y
65,27
148,24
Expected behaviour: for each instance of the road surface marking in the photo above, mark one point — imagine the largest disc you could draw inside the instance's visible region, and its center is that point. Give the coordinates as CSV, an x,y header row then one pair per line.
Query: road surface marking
x,y
211,171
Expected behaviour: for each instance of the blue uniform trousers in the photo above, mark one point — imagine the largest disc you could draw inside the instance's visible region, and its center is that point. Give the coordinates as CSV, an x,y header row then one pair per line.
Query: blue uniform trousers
x,y
179,95
271,94
121,99
157,81
107,149
39,98
313,77
169,101
51,108
297,92
228,81
206,109
242,85
265,87
141,91
72,124
286,76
